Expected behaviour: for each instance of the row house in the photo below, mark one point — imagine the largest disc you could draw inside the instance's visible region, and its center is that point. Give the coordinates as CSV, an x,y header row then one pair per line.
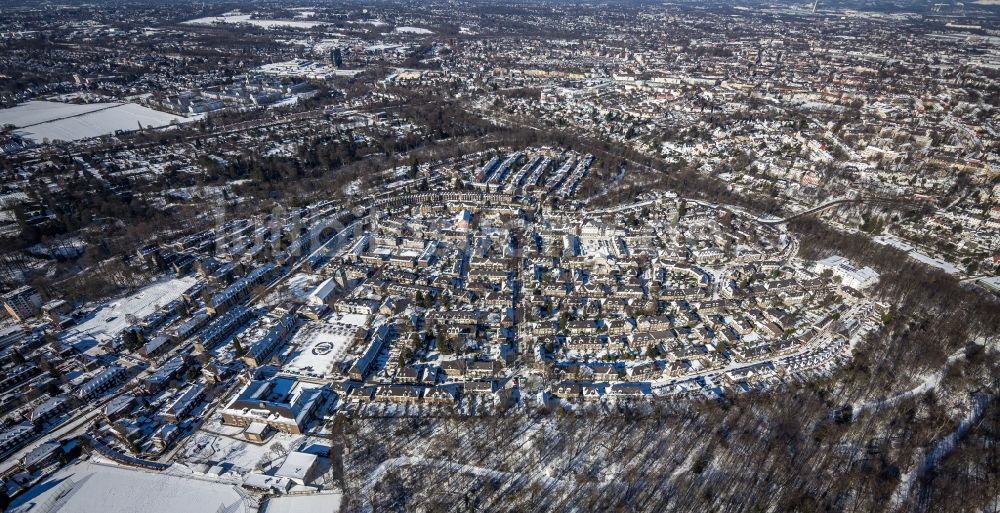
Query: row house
x,y
759,370
408,375
605,372
49,409
581,327
627,391
452,317
260,350
454,369
644,372
663,338
222,327
118,407
691,293
357,306
187,328
481,370
179,408
653,323
101,383
566,390
782,286
398,393
586,344
166,373
16,436
157,346
497,300
241,288
486,387
677,368
590,392
439,395
363,365
164,436
620,327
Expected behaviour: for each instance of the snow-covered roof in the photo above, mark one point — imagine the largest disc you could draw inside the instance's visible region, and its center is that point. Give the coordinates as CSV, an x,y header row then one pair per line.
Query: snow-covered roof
x,y
87,487
297,465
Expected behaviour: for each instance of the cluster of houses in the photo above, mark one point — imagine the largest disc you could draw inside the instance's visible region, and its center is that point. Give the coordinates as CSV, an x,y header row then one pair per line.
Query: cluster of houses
x,y
448,299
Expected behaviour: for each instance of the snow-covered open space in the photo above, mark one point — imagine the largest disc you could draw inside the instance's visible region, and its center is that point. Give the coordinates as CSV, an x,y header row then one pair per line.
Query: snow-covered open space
x,y
243,456
111,318
413,30
239,19
35,112
89,487
318,351
38,121
318,503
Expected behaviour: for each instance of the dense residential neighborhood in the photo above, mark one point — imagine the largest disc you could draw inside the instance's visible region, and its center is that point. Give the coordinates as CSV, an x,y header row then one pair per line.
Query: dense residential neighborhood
x,y
473,256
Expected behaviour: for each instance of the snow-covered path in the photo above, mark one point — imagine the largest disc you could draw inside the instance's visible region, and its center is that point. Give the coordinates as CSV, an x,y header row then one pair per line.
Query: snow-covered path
x,y
927,383
939,450
413,461
408,461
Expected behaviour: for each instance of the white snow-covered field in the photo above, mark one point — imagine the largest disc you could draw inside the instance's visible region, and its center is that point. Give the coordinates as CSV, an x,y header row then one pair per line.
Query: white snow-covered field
x,y
318,352
316,503
374,23
111,318
87,487
413,30
56,121
239,19
35,112
244,456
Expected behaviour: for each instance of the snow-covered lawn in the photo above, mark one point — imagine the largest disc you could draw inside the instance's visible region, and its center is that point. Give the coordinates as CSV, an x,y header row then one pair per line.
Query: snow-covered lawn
x,y
111,318
413,30
319,349
244,456
55,121
35,112
238,19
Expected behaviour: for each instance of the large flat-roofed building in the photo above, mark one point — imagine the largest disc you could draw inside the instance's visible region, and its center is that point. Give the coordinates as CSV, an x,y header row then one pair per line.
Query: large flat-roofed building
x,y
300,467
88,486
283,403
850,275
